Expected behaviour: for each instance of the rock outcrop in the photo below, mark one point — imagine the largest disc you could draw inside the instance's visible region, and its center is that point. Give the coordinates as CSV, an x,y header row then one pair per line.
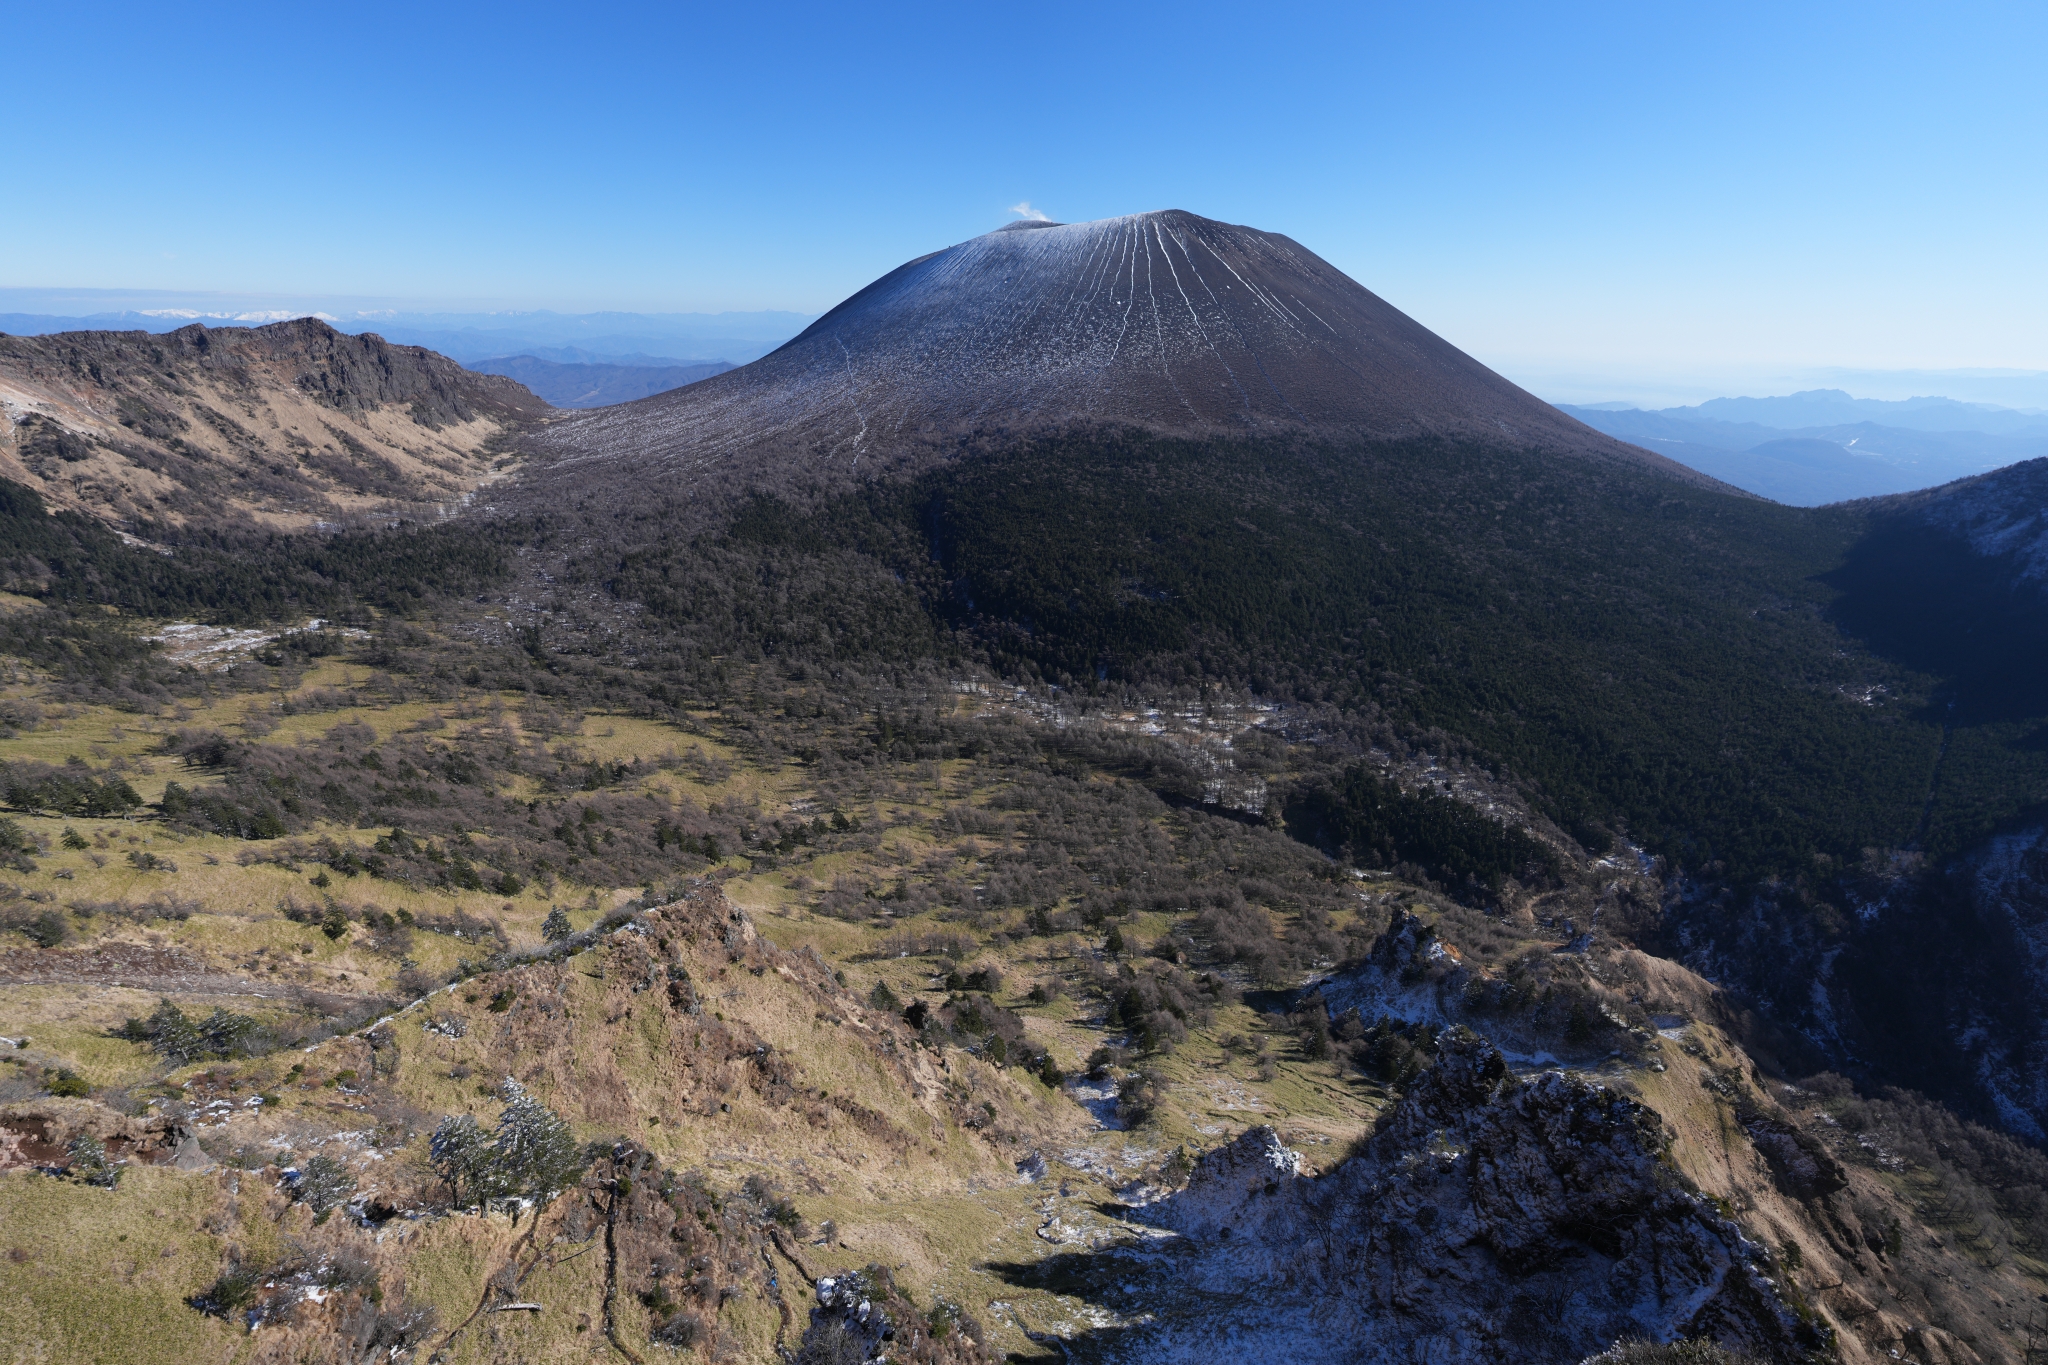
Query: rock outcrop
x,y
862,1316
284,425
1487,1218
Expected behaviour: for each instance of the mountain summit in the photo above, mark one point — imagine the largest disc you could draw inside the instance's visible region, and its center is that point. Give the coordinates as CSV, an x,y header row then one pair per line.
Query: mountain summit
x,y
1166,321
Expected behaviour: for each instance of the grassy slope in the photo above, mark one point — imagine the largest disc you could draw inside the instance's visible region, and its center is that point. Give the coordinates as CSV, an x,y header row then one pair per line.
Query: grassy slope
x,y
933,1209
921,1192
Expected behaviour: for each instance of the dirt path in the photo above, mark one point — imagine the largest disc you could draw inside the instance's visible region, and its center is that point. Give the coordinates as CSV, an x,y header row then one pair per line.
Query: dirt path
x,y
134,966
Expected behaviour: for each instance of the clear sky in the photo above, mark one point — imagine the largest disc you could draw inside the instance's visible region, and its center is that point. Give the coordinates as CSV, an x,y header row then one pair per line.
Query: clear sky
x,y
1560,189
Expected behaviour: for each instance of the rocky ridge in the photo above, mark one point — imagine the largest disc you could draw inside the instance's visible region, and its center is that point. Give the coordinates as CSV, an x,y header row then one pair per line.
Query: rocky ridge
x,y
286,426
1489,1217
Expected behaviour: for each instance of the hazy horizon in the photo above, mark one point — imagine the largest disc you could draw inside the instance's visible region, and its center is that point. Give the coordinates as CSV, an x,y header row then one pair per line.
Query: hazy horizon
x,y
1648,388
1669,198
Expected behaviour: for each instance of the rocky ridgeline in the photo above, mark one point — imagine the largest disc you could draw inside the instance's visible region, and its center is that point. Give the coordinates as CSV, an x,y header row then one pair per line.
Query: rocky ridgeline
x,y
287,425
1556,1012
1488,1218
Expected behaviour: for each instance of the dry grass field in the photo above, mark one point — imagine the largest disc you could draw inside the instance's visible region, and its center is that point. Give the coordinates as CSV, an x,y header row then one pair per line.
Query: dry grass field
x,y
945,988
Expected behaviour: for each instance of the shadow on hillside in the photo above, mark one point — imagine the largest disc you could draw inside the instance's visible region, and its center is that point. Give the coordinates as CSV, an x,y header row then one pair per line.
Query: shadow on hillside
x,y
1115,1281
1923,598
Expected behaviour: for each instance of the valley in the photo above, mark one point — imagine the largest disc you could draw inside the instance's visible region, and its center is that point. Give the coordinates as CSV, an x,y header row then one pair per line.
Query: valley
x,y
803,873
990,834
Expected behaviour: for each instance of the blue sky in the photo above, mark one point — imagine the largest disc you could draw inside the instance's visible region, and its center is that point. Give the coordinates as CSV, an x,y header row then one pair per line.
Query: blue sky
x,y
1561,189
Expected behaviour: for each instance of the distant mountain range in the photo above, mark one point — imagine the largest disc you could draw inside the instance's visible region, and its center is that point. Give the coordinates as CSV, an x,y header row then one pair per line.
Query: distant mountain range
x,y
593,384
1823,446
609,338
1833,407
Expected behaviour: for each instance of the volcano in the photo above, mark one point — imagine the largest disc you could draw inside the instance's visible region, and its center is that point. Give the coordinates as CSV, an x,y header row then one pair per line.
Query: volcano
x,y
1164,321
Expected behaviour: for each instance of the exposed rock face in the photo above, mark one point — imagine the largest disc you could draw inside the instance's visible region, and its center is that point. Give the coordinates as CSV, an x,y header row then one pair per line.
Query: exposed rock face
x,y
2000,515
284,425
1487,1219
38,1133
2008,877
1230,1193
1413,976
1165,321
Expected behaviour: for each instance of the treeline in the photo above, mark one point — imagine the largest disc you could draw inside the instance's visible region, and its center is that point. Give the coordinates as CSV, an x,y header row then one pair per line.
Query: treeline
x,y
1373,822
74,789
1648,659
70,560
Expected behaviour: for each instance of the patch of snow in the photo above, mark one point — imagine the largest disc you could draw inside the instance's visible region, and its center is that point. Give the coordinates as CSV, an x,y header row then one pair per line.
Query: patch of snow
x,y
1098,1098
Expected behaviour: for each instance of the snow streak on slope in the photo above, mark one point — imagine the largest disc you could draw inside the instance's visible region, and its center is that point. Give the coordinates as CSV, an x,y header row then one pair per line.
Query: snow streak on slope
x,y
1161,320
2003,513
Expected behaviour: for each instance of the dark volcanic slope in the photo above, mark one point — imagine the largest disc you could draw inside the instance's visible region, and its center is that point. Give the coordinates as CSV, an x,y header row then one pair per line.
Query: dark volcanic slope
x,y
1164,320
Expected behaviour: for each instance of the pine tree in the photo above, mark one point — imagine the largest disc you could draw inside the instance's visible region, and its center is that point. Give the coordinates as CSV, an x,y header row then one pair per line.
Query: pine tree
x,y
324,1184
459,1154
556,926
534,1155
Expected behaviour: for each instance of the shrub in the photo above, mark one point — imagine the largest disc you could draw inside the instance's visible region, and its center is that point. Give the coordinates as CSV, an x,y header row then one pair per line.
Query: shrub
x,y
89,1163
323,1185
1105,1057
986,979
679,1331
556,926
234,1290
181,1039
1138,1096
48,929
67,1085
414,983
334,923
774,1205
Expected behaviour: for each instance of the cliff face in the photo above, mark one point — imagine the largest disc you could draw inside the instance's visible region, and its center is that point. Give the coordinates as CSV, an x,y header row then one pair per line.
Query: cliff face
x,y
282,426
1488,1218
